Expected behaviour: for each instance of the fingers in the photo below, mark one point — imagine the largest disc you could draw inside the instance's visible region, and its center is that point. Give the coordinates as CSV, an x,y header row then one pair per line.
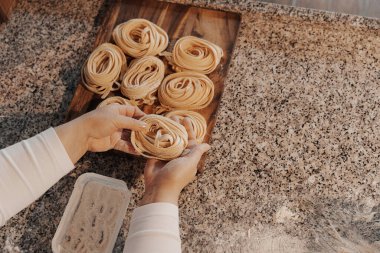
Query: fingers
x,y
198,150
189,128
123,122
175,118
186,152
126,147
138,113
191,144
130,111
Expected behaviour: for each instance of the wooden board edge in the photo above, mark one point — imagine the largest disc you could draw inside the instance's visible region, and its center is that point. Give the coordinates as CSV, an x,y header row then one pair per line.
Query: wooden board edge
x,y
208,8
71,113
214,116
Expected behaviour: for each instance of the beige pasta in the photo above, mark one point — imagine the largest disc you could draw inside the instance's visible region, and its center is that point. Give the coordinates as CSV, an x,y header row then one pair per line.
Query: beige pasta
x,y
140,37
142,79
195,54
114,100
198,122
101,72
186,91
164,138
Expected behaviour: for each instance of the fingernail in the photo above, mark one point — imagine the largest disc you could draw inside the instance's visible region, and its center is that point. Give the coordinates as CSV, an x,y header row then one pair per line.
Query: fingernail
x,y
143,125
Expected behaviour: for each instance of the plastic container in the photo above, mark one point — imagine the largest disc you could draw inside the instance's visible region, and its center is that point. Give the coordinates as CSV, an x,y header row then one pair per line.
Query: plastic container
x,y
93,216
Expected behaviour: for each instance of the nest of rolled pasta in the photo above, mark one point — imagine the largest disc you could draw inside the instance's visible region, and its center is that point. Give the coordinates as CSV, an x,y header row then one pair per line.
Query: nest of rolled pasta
x,y
170,85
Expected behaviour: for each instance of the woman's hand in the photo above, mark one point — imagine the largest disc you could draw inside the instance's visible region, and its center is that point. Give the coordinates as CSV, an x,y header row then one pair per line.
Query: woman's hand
x,y
100,130
105,127
165,181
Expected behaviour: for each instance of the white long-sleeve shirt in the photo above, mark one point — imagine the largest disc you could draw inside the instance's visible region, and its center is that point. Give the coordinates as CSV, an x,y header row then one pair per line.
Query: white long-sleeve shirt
x,y
29,168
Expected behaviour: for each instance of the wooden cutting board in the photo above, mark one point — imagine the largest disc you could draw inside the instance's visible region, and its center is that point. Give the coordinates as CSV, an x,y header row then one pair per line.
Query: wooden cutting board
x,y
6,7
177,20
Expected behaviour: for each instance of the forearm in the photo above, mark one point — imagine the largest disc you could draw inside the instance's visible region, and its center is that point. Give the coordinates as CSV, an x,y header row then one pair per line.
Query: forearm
x,y
28,169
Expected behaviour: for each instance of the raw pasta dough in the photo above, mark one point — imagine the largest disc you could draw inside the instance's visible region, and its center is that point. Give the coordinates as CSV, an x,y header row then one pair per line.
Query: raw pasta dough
x,y
186,91
197,120
142,79
103,68
164,138
140,37
195,54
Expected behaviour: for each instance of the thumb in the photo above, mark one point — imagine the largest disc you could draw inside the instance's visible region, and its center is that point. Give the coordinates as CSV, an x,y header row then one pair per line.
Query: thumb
x,y
197,151
124,122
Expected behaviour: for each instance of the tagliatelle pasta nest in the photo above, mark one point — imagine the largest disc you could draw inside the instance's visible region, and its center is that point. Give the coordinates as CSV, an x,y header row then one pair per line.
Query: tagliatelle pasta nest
x,y
186,91
164,138
194,54
140,37
101,72
142,80
198,122
114,100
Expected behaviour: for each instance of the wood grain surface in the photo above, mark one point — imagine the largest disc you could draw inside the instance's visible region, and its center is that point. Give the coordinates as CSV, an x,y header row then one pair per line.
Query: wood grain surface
x,y
177,20
6,7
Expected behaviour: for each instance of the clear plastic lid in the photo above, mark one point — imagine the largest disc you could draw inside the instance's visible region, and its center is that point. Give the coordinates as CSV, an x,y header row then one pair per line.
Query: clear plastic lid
x,y
93,216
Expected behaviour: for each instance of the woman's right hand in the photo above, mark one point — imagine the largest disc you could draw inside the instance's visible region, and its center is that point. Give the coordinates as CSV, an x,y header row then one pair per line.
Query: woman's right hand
x,y
164,181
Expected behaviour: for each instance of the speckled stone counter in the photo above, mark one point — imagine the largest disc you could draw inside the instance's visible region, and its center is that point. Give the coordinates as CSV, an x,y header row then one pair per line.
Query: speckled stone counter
x,y
295,159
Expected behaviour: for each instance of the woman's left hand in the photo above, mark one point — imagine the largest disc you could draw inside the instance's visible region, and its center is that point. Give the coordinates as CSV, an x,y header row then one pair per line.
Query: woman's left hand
x,y
100,130
164,181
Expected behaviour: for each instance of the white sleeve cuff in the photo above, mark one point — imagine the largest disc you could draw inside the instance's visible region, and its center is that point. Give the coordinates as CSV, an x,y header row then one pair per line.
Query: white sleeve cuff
x,y
59,152
154,228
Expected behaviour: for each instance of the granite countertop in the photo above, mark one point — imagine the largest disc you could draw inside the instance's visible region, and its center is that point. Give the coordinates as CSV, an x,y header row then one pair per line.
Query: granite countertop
x,y
295,159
